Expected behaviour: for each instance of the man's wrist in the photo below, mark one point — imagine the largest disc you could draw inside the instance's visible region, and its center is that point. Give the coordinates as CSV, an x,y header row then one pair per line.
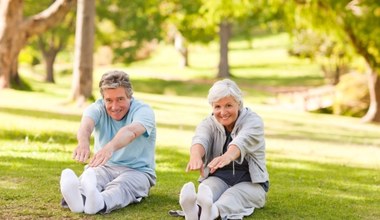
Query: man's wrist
x,y
110,147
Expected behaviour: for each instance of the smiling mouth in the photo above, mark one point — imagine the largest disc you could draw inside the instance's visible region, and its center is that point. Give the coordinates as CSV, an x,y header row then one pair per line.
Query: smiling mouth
x,y
116,111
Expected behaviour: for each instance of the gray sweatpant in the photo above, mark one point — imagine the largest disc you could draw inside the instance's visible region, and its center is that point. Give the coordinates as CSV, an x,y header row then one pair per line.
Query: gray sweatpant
x,y
121,186
235,202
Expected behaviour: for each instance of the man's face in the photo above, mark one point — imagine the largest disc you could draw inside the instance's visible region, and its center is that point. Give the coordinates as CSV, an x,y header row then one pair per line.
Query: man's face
x,y
117,103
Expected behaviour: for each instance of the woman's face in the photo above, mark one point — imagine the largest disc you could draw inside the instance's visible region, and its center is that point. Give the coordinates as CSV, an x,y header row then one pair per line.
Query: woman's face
x,y
226,112
117,103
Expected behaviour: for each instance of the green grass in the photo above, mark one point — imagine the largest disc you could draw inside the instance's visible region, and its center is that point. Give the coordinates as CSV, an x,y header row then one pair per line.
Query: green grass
x,y
321,166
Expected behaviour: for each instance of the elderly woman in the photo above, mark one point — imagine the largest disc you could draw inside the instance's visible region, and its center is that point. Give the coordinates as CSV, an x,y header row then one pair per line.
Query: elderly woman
x,y
228,149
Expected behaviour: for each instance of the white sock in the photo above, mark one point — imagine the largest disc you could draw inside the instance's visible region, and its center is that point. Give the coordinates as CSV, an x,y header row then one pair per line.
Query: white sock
x,y
187,200
94,199
70,190
204,200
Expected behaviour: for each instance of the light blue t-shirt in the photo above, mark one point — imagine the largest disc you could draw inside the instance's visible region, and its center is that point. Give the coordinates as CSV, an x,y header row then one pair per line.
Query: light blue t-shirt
x,y
139,154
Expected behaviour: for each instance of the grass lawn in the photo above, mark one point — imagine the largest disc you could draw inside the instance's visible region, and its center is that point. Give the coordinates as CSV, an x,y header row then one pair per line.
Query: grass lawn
x,y
321,166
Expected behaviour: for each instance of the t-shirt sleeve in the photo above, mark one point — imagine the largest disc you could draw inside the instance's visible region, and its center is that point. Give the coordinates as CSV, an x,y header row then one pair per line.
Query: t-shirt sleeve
x,y
94,111
145,116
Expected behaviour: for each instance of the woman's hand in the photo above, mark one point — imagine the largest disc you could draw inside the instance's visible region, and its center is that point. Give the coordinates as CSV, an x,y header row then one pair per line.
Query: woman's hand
x,y
219,162
232,153
195,164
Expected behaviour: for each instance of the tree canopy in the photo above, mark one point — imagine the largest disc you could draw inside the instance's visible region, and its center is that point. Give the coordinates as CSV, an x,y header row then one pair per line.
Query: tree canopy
x,y
353,21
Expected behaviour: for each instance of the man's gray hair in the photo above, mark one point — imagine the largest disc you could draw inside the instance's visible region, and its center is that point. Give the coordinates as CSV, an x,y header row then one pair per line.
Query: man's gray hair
x,y
224,88
115,79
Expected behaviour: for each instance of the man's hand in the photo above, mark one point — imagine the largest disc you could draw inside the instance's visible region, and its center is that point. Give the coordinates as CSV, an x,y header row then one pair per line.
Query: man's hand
x,y
81,153
101,157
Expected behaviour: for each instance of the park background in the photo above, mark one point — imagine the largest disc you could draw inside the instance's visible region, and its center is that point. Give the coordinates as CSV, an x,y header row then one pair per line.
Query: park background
x,y
323,160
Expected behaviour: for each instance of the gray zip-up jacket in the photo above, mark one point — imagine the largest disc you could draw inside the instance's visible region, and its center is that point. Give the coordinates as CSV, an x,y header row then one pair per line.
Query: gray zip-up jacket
x,y
247,135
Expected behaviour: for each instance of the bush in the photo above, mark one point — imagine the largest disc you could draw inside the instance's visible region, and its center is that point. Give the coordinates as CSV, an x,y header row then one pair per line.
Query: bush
x,y
352,95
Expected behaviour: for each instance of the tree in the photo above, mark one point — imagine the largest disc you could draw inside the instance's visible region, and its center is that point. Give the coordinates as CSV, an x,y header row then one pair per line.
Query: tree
x,y
362,25
181,45
84,46
15,30
221,17
223,14
53,41
333,56
358,22
184,25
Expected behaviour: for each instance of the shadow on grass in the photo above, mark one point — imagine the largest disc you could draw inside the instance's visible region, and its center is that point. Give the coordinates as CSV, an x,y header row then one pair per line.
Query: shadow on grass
x,y
200,87
173,87
262,81
43,137
40,114
21,84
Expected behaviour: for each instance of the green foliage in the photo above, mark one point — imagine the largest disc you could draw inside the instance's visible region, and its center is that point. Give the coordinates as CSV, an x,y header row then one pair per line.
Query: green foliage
x,y
29,55
127,26
186,17
356,22
332,55
31,8
198,20
363,22
227,10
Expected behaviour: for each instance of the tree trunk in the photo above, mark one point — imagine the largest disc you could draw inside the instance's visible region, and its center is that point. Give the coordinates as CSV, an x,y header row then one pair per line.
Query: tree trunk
x,y
224,34
15,31
10,16
376,117
15,78
83,57
49,51
181,47
49,67
373,113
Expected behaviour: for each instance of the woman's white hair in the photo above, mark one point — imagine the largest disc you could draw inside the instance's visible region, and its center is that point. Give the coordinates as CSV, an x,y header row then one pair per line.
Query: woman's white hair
x,y
224,88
